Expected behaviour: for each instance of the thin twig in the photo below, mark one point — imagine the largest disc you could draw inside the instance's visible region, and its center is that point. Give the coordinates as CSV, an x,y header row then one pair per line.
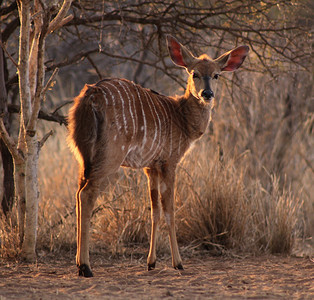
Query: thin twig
x,y
45,138
60,18
48,84
94,66
62,105
8,54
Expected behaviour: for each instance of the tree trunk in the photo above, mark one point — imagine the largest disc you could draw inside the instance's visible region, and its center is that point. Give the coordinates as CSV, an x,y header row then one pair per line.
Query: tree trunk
x,y
19,185
32,197
25,153
7,163
27,208
8,181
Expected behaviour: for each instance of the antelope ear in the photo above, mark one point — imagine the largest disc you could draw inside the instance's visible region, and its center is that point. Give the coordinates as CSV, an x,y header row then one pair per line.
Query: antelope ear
x,y
179,54
233,59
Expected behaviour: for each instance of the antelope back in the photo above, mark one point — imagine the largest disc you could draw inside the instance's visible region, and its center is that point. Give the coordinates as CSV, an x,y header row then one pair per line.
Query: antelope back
x,y
141,125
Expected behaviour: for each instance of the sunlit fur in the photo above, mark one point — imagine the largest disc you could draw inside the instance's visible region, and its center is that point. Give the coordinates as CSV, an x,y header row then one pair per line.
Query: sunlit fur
x,y
116,122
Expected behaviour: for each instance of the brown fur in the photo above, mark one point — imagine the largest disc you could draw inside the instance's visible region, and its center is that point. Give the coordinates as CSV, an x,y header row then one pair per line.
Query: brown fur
x,y
117,123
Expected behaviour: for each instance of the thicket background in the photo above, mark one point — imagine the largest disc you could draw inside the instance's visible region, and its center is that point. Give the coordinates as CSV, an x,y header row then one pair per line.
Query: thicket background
x,y
246,187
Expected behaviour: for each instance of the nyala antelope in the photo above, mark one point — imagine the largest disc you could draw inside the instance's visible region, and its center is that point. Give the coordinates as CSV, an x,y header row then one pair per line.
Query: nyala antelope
x,y
116,122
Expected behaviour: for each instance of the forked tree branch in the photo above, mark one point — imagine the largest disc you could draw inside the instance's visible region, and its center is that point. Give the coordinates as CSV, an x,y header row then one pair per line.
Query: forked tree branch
x,y
40,69
9,142
61,18
45,138
52,117
48,84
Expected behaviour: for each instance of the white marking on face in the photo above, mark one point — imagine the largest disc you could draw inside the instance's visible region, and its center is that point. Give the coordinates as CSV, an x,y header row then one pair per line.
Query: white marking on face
x,y
122,148
115,138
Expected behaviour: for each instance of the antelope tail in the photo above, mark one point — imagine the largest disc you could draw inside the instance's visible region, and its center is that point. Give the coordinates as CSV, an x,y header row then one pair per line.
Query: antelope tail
x,y
84,124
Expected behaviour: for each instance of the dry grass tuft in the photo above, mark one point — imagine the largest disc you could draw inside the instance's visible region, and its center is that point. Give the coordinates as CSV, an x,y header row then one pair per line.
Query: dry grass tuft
x,y
275,218
9,235
58,181
214,212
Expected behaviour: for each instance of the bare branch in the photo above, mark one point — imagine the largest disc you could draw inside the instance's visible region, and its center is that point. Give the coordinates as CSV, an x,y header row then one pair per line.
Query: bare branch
x,y
45,138
94,66
8,54
6,10
48,84
53,117
60,18
23,65
11,145
31,126
62,105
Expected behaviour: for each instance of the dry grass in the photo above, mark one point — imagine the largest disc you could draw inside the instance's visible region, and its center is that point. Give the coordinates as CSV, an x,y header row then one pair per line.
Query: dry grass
x,y
9,235
214,211
276,218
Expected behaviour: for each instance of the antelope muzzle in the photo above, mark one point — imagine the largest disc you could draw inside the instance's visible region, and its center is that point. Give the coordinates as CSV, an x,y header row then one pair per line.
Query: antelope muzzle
x,y
207,94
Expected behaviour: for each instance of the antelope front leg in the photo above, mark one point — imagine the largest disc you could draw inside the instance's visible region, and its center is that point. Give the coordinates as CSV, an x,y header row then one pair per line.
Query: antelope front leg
x,y
167,200
152,176
86,197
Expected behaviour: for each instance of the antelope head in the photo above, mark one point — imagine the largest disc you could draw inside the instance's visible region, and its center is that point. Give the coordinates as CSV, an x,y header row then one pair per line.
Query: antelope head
x,y
204,71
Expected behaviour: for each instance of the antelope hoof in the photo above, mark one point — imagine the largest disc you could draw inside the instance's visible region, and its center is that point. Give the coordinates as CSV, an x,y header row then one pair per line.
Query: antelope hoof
x,y
179,267
151,266
85,271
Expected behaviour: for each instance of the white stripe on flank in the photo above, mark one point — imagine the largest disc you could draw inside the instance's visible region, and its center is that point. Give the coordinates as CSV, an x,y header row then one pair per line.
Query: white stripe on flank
x,y
104,94
114,107
179,147
144,117
157,130
123,85
135,110
165,124
169,115
122,105
149,158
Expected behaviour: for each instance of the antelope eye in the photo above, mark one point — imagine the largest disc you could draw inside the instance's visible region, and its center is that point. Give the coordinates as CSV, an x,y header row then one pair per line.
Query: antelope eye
x,y
195,75
216,76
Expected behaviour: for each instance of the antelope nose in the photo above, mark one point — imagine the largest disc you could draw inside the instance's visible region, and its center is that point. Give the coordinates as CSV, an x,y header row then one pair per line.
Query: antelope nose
x,y
207,94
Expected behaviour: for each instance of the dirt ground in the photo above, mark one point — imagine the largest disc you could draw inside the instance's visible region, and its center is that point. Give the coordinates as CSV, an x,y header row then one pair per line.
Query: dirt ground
x,y
267,277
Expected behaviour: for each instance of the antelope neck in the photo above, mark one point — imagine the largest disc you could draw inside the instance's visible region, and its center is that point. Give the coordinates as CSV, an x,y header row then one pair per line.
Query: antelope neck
x,y
195,115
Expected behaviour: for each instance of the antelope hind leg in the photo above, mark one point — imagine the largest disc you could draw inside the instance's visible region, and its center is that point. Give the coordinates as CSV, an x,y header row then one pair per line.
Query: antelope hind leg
x,y
153,182
86,198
